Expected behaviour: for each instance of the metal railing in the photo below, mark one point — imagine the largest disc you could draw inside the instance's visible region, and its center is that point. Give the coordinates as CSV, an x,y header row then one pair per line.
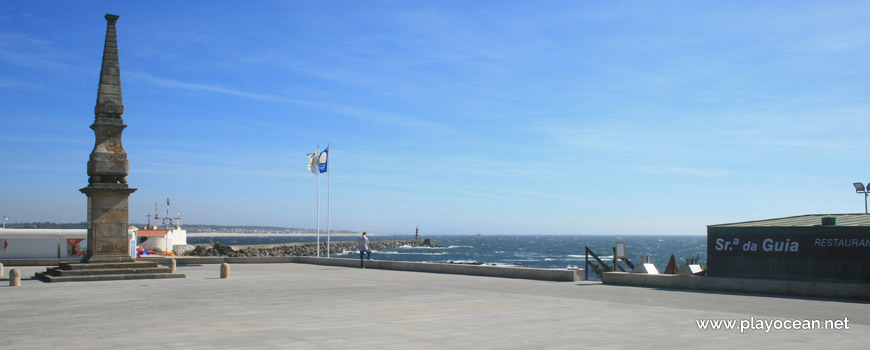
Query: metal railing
x,y
601,266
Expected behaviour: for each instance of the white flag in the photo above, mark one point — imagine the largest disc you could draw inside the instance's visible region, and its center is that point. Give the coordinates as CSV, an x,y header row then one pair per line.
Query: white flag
x,y
312,162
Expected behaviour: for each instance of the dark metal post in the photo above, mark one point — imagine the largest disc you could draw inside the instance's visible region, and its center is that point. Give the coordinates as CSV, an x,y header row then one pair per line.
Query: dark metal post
x,y
615,266
586,269
860,188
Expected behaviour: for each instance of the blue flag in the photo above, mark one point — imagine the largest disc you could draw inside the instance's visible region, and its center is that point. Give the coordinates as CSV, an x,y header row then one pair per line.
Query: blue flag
x,y
324,157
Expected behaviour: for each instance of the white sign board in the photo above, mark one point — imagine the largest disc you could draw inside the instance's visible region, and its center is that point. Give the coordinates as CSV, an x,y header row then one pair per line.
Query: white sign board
x,y
620,250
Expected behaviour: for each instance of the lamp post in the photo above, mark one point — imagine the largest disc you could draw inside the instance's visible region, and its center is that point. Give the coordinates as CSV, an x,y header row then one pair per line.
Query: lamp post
x,y
860,188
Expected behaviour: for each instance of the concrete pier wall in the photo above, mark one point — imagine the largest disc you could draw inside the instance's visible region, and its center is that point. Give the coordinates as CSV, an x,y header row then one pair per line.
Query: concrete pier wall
x,y
459,269
562,275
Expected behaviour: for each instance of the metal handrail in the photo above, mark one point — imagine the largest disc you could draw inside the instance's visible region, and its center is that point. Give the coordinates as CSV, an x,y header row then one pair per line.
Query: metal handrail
x,y
603,266
595,256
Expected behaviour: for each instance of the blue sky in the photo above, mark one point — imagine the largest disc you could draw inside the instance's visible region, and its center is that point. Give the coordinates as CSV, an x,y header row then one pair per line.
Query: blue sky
x,y
465,117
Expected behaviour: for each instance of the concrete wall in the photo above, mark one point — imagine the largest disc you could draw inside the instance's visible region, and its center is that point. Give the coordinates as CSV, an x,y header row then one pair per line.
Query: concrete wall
x,y
563,275
459,269
817,289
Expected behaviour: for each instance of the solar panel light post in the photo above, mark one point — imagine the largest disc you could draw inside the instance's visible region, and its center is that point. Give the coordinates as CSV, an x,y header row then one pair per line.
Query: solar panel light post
x,y
859,188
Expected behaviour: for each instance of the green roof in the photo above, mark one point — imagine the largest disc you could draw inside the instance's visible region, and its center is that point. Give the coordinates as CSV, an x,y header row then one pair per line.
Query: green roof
x,y
804,220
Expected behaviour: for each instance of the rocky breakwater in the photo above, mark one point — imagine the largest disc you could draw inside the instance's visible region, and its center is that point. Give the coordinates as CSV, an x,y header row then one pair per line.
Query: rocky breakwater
x,y
299,249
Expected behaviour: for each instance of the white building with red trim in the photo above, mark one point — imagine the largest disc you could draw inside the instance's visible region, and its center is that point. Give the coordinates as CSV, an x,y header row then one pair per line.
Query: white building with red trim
x,y
167,240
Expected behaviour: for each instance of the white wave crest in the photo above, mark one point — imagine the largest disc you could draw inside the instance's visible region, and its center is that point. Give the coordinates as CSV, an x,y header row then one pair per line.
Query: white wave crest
x,y
422,247
462,262
390,252
502,264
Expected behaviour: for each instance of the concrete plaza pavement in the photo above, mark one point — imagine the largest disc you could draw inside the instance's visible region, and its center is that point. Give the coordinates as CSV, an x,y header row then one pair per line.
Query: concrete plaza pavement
x,y
301,306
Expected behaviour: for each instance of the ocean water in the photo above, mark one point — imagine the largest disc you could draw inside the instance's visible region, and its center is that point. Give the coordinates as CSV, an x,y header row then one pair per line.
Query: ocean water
x,y
551,252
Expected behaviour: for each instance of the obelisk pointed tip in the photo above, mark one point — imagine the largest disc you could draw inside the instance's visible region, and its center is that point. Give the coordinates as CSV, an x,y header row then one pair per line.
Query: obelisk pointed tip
x,y
109,101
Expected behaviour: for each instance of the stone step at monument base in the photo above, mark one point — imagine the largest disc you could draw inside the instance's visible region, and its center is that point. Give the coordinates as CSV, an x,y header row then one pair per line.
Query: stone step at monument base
x,y
140,276
81,272
59,272
112,265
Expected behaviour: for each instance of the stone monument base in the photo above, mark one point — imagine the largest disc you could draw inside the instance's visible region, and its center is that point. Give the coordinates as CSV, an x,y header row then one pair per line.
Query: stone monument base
x,y
82,272
108,211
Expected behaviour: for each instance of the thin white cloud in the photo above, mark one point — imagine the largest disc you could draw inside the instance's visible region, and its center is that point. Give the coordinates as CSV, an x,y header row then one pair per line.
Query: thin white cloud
x,y
18,84
831,145
742,131
359,113
40,168
18,139
687,171
394,119
31,60
26,51
175,84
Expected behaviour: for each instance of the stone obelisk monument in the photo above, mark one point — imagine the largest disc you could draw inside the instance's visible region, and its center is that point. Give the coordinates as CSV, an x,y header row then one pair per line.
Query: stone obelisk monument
x,y
107,191
108,254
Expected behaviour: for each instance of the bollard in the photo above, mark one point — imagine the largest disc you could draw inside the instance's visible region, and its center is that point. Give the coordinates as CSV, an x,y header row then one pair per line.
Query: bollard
x,y
172,265
225,270
14,278
2,270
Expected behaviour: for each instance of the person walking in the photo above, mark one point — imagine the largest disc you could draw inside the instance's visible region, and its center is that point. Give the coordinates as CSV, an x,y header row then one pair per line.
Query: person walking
x,y
363,249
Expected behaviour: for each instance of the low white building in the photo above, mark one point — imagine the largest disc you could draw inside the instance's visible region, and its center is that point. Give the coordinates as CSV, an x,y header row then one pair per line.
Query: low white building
x,y
167,240
19,243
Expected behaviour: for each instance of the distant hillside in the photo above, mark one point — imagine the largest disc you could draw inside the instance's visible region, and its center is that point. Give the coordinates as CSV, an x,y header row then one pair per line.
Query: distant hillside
x,y
189,228
52,225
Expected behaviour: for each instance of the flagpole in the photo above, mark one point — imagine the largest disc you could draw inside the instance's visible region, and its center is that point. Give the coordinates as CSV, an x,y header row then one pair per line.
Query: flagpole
x,y
317,174
328,170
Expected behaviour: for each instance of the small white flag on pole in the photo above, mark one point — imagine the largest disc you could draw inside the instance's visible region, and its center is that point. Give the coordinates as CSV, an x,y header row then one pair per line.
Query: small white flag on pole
x,y
312,162
313,165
